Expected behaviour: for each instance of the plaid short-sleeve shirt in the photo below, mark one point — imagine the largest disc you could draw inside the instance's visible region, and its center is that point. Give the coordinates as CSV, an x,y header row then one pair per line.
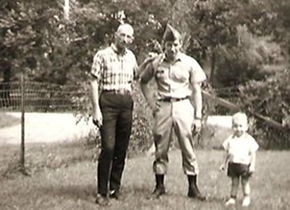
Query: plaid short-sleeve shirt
x,y
114,71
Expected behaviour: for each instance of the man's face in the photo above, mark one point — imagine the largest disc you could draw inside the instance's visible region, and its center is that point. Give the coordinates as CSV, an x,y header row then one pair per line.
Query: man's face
x,y
124,37
172,48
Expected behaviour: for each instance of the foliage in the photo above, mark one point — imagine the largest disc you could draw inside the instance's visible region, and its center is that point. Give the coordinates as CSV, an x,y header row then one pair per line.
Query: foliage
x,y
252,58
52,49
222,32
141,136
270,98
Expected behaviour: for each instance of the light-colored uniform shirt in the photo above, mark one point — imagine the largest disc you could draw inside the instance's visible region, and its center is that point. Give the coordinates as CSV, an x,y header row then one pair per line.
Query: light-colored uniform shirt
x,y
173,79
114,71
240,148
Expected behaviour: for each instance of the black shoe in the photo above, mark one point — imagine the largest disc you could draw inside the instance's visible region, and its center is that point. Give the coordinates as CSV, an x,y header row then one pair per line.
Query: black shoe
x,y
195,194
159,191
115,194
193,191
102,200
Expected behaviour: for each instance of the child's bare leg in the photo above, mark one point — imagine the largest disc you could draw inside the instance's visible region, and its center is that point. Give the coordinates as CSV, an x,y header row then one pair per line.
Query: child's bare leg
x,y
235,187
246,186
234,191
246,191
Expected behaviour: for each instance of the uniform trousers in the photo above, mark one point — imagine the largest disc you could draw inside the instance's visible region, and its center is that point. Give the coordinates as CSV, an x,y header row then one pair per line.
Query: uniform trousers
x,y
115,133
175,116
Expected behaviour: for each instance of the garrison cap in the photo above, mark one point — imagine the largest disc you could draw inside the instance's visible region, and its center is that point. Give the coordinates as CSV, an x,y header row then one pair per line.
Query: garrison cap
x,y
171,34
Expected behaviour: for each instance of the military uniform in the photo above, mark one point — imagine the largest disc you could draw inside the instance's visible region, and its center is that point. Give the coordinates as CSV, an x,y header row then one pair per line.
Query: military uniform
x,y
176,111
173,111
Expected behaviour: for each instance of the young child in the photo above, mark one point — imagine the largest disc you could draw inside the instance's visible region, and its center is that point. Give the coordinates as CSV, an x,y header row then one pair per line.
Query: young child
x,y
240,158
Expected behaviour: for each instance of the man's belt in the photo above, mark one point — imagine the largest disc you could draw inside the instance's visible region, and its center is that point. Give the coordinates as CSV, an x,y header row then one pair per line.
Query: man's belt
x,y
170,99
119,91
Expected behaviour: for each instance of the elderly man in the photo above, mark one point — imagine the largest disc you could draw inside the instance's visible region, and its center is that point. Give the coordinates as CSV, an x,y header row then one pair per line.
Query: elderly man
x,y
177,76
112,73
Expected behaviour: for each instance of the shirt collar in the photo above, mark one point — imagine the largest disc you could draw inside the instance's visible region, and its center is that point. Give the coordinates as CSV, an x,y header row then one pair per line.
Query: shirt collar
x,y
114,48
178,57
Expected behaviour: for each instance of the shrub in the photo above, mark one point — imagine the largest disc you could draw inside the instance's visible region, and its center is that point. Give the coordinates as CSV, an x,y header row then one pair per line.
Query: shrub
x,y
141,136
270,98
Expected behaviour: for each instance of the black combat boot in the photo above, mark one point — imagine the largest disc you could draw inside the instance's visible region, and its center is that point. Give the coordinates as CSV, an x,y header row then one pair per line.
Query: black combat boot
x,y
159,188
193,191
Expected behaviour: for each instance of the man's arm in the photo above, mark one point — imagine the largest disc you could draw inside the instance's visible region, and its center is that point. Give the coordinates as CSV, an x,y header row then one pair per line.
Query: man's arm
x,y
146,76
148,95
94,93
197,97
197,76
146,62
95,80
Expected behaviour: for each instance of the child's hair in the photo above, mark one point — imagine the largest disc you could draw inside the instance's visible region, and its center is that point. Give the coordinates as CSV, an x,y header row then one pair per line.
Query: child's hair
x,y
241,117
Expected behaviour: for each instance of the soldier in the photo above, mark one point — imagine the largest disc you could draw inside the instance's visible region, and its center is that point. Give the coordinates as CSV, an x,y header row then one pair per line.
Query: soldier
x,y
178,76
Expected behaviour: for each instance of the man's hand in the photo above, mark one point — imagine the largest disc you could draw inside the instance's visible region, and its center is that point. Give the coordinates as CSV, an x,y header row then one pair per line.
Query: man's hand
x,y
155,108
98,118
197,125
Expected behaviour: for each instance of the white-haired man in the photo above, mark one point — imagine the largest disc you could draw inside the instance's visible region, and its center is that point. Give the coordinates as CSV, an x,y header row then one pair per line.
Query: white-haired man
x,y
113,71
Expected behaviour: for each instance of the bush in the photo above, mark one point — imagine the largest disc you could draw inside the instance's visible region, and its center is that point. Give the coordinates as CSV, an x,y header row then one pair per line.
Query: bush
x,y
270,98
252,58
141,136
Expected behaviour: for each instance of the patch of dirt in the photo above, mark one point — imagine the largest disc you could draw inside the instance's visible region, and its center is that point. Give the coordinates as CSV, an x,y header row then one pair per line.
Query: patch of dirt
x,y
47,127
7,120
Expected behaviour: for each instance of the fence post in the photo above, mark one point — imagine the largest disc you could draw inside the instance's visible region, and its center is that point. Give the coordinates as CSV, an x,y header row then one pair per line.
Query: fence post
x,y
66,10
22,146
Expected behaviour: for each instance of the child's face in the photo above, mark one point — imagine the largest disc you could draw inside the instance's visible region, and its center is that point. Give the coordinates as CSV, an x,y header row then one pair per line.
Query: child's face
x,y
239,127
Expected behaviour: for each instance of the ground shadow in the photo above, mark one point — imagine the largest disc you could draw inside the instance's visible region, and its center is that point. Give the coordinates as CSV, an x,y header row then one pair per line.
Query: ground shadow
x,y
83,192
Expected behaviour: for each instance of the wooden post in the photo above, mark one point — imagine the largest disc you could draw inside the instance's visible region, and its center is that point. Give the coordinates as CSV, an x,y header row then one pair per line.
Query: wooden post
x,y
66,9
234,107
22,146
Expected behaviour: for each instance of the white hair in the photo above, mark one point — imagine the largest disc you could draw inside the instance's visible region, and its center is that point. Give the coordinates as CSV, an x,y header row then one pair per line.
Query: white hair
x,y
240,117
126,27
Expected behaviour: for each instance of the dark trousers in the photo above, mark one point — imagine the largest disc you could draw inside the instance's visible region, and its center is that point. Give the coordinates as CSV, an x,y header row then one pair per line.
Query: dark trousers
x,y
115,133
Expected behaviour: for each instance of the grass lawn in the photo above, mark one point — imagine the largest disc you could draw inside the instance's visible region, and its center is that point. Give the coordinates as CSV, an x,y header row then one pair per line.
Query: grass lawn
x,y
63,177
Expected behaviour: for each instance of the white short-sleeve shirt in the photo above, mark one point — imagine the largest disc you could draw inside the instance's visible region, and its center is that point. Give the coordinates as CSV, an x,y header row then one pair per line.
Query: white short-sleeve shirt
x,y
240,148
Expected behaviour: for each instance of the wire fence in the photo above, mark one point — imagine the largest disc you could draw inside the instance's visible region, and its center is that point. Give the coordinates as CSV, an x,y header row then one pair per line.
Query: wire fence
x,y
48,97
41,96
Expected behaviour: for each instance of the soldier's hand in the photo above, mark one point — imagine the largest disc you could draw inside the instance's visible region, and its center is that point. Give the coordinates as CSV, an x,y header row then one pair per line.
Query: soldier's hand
x,y
197,125
155,108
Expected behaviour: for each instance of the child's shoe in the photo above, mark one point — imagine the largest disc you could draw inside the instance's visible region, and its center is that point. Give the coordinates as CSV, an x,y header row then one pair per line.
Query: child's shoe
x,y
246,201
231,201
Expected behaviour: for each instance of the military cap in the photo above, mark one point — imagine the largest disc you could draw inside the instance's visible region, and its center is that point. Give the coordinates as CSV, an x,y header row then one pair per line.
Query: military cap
x,y
171,34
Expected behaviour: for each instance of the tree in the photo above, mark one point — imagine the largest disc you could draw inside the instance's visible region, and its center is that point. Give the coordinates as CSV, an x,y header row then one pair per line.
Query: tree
x,y
215,38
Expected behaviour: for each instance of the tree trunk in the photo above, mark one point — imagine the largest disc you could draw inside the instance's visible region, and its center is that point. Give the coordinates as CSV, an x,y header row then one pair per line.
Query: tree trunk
x,y
212,69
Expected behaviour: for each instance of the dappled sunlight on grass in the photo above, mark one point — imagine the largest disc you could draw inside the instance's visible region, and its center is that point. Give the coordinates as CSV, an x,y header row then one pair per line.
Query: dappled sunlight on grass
x,y
64,178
